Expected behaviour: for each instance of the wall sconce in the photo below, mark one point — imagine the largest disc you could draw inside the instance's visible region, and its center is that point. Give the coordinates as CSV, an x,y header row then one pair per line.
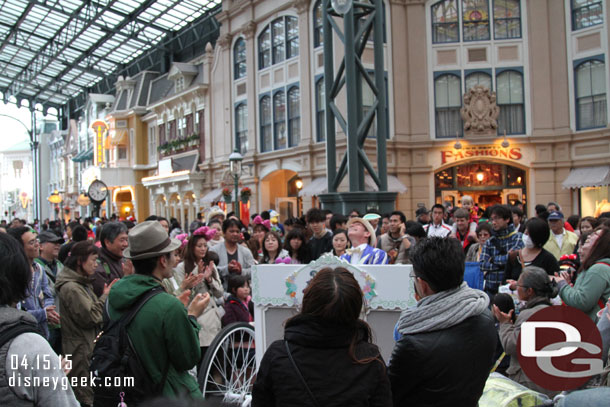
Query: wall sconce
x,y
505,143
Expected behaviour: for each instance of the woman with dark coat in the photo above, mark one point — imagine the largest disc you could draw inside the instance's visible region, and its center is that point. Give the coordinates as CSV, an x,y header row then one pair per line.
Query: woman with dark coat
x,y
326,357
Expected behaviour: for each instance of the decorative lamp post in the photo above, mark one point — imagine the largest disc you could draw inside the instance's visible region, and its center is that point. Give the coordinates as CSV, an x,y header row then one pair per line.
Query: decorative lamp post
x,y
235,160
299,184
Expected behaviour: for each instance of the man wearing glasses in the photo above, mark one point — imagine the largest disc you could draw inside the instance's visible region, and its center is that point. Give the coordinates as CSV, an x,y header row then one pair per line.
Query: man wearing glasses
x,y
503,244
39,301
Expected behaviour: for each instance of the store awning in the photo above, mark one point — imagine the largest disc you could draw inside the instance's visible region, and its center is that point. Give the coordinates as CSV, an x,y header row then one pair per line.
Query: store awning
x,y
394,184
119,137
84,155
212,196
316,187
588,177
319,186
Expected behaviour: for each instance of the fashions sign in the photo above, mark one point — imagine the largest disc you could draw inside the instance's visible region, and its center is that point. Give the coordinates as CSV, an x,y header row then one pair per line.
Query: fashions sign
x,y
453,155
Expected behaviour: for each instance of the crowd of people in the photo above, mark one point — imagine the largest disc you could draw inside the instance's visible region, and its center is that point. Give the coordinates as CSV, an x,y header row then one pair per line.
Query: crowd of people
x,y
63,284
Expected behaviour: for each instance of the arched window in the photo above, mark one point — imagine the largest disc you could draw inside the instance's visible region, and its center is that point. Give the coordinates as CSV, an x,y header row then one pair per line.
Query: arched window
x,y
320,110
241,128
591,108
279,120
448,101
509,98
586,13
294,117
266,139
318,31
507,19
239,59
292,37
475,20
445,22
478,78
264,48
278,41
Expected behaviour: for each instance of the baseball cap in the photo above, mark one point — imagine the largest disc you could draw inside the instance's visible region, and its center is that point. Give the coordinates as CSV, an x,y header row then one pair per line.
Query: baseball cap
x,y
49,237
555,215
421,211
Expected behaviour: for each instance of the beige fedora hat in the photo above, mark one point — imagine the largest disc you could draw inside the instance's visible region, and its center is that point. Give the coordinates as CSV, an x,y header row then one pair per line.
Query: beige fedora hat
x,y
149,239
369,228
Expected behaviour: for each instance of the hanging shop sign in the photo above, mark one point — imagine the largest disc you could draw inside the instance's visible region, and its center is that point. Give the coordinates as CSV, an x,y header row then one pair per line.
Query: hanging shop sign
x,y
485,152
100,129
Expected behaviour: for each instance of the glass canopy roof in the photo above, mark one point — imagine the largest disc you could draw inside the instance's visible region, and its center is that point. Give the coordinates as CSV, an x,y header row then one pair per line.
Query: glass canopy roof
x,y
53,50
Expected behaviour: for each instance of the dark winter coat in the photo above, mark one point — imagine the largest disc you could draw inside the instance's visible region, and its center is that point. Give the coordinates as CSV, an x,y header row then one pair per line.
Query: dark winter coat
x,y
320,351
236,311
448,367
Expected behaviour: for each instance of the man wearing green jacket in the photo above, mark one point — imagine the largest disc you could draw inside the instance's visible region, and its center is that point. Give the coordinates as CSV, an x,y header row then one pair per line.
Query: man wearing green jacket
x,y
164,333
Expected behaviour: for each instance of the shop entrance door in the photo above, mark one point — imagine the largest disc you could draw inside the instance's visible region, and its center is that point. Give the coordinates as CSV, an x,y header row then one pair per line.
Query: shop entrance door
x,y
286,207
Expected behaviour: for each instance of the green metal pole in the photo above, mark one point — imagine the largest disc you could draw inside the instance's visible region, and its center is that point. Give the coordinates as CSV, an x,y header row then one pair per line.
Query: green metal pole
x,y
236,178
354,169
382,124
331,149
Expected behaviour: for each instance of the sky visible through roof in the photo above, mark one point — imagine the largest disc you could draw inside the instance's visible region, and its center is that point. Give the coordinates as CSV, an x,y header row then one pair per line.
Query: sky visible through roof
x,y
52,51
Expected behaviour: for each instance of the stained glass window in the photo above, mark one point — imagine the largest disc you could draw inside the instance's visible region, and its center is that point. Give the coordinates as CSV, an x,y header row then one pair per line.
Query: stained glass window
x,y
507,19
586,13
475,20
445,22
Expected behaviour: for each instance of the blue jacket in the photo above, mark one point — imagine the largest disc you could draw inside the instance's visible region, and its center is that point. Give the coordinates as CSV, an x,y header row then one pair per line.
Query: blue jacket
x,y
494,255
39,297
370,255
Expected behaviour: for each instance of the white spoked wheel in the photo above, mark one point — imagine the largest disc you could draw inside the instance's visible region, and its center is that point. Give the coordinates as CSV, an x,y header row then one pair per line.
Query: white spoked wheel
x,y
228,369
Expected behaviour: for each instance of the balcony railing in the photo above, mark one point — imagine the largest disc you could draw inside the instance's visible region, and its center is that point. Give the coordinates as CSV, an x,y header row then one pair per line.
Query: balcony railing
x,y
179,145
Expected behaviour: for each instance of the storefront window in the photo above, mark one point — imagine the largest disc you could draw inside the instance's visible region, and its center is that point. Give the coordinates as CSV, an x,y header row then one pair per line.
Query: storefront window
x,y
479,175
443,179
594,201
515,177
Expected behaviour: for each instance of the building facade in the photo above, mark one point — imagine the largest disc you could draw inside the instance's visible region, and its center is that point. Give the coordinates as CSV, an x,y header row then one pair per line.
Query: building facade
x,y
260,90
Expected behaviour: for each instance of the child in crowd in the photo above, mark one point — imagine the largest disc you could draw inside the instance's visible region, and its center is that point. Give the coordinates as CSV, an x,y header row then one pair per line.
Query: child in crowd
x,y
468,204
238,307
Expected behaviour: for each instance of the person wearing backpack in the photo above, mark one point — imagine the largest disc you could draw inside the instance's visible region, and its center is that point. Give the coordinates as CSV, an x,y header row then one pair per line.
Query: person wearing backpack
x,y
81,312
21,341
164,334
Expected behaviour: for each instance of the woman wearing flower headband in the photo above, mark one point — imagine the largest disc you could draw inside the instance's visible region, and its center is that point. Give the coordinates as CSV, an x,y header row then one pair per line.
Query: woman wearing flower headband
x,y
203,277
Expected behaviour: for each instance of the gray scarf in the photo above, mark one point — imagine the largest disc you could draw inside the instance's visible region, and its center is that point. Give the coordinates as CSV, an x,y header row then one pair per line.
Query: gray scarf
x,y
443,310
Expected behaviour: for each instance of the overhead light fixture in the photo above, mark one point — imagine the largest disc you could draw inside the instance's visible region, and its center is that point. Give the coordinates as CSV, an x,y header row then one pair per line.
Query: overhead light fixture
x,y
457,145
505,143
341,6
480,174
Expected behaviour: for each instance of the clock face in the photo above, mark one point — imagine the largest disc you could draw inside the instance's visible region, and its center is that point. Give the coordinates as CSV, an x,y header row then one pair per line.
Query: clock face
x,y
97,191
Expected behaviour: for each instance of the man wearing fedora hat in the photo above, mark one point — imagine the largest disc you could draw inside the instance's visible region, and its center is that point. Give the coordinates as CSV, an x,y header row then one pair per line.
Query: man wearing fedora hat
x,y
362,236
165,335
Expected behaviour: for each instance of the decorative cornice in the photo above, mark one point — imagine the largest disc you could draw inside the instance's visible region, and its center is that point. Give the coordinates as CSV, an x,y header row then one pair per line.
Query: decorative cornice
x,y
301,5
248,30
224,41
